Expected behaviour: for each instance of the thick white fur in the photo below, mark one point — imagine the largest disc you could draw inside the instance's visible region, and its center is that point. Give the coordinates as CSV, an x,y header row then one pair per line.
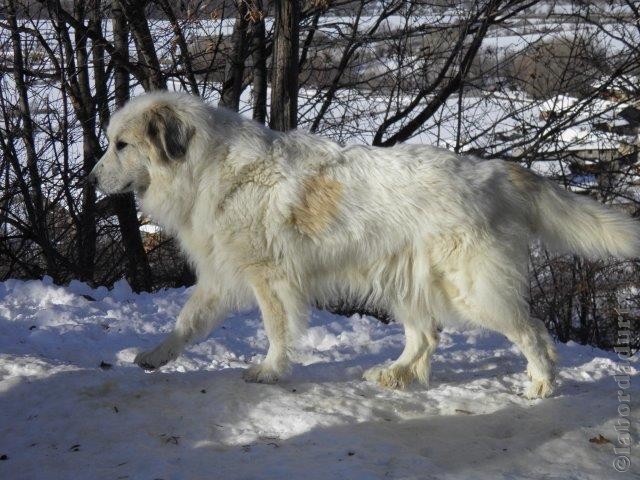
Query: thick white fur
x,y
284,220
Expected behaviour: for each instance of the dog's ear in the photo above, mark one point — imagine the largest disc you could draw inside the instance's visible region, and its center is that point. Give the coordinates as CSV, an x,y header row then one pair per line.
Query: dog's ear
x,y
169,134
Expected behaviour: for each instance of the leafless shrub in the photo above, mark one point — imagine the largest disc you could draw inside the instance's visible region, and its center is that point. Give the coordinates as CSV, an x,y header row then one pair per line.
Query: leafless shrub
x,y
525,81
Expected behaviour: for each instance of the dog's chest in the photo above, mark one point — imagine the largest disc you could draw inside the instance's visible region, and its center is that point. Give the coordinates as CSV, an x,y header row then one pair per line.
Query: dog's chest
x,y
233,237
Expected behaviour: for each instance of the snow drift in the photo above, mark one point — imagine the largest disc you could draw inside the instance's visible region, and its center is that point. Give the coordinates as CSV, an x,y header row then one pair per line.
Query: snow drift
x,y
72,405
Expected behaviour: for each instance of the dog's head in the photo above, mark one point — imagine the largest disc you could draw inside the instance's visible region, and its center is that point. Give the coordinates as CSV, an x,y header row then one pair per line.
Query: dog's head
x,y
149,134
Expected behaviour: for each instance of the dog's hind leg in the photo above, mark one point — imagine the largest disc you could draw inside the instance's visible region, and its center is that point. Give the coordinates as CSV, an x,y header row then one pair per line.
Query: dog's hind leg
x,y
495,300
536,345
284,316
202,312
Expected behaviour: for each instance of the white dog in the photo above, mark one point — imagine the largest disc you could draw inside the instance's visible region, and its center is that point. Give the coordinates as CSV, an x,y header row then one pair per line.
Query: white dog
x,y
286,219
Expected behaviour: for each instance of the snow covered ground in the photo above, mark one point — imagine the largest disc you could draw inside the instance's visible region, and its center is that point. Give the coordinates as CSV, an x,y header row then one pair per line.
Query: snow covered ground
x,y
73,406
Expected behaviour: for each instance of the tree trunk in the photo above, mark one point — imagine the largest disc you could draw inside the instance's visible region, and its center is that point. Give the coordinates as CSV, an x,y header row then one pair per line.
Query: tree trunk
x,y
139,26
232,85
85,110
259,55
121,43
138,269
99,72
284,70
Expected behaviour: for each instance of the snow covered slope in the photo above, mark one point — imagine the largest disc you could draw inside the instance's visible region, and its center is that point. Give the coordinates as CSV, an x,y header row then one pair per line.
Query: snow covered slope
x,y
72,405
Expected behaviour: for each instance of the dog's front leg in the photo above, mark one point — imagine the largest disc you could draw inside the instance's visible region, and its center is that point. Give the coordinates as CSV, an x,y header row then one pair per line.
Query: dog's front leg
x,y
283,315
202,312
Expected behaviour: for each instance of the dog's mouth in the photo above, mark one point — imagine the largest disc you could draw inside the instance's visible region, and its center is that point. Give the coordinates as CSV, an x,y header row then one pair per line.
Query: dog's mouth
x,y
127,188
134,187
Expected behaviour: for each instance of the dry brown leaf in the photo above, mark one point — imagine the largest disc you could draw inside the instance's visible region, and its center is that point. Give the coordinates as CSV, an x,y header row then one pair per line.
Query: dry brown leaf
x,y
599,440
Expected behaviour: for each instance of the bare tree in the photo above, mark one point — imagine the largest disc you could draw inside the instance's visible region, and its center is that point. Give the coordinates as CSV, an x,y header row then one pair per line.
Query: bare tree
x,y
31,189
138,269
520,80
259,60
284,68
232,85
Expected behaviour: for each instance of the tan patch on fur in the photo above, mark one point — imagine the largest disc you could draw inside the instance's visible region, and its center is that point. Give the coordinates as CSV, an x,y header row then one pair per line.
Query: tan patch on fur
x,y
523,179
319,206
255,173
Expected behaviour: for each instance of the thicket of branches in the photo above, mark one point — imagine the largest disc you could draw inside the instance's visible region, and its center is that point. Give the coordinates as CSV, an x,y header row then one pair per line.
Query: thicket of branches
x,y
472,76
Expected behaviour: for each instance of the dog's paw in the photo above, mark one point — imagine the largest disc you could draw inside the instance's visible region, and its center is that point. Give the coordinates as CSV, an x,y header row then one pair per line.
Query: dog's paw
x,y
390,377
539,389
260,374
156,358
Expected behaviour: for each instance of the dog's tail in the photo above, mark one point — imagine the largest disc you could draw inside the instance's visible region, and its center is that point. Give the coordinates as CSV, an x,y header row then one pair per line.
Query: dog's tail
x,y
565,221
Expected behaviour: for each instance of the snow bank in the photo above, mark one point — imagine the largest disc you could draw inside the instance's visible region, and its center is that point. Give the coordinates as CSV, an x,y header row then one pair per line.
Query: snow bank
x,y
72,405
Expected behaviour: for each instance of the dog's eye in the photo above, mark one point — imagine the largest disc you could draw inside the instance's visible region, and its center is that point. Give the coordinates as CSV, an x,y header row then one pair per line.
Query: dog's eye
x,y
120,145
